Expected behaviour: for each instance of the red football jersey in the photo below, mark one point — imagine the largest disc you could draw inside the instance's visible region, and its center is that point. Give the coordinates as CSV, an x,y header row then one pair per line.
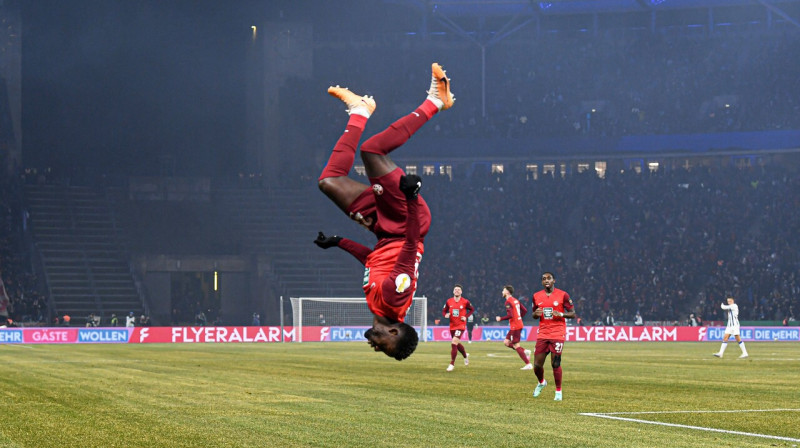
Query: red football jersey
x,y
379,268
550,326
458,309
513,307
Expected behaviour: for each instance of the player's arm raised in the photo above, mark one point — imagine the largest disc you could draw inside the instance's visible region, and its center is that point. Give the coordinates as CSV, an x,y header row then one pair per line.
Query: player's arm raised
x,y
358,251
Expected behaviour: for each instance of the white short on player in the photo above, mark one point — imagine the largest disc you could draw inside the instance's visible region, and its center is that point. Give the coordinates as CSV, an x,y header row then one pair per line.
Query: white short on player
x,y
732,310
733,330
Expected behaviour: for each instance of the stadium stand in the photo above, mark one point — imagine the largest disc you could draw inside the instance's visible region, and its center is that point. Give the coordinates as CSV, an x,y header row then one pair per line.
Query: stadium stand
x,y
82,250
25,304
281,223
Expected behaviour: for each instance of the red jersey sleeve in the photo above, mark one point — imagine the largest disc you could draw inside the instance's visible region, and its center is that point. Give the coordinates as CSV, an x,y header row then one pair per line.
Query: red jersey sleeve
x,y
359,251
568,305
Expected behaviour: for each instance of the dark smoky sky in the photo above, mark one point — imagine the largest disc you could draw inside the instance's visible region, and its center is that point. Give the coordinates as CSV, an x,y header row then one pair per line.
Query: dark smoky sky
x,y
113,85
110,86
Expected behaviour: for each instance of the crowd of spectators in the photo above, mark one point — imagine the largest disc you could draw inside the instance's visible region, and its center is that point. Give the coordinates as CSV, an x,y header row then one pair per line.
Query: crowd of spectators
x,y
665,244
650,84
613,84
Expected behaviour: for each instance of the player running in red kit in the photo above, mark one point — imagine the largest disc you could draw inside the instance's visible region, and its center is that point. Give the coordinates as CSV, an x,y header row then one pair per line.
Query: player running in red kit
x,y
457,309
551,306
390,207
515,312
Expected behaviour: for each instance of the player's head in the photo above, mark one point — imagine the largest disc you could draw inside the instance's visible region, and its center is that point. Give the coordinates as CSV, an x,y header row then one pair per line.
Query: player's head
x,y
508,290
457,290
548,280
397,339
730,299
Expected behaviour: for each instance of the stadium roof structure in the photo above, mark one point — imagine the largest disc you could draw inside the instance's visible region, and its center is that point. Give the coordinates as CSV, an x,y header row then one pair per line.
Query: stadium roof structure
x,y
486,22
488,8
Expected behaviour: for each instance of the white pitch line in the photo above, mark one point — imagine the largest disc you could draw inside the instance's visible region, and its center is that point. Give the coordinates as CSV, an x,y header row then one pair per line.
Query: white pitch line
x,y
699,428
73,361
757,359
694,412
495,355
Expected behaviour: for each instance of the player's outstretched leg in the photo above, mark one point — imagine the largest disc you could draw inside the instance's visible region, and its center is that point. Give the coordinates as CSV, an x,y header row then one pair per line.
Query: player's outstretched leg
x,y
374,149
524,354
334,181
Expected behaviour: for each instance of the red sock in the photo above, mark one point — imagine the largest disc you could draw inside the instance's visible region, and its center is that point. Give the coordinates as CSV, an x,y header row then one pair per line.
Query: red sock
x,y
344,152
398,133
557,376
539,371
428,108
521,353
453,352
461,350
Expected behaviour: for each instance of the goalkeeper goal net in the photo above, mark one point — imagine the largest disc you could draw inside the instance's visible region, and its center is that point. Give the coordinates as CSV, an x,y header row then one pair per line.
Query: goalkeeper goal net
x,y
349,311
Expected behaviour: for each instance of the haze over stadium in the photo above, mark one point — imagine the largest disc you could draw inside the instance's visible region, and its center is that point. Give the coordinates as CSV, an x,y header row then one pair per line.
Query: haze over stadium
x,y
160,162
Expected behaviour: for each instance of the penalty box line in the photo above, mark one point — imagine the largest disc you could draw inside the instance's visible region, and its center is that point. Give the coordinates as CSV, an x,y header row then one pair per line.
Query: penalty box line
x,y
616,416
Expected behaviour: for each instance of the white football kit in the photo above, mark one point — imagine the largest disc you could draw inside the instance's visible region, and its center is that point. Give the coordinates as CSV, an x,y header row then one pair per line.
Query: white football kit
x,y
732,327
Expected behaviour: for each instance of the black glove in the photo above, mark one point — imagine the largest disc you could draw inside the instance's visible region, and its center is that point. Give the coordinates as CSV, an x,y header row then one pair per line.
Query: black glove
x,y
410,185
327,241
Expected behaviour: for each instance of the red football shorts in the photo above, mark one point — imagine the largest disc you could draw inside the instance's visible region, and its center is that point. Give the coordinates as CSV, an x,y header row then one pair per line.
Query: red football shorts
x,y
514,336
549,346
385,204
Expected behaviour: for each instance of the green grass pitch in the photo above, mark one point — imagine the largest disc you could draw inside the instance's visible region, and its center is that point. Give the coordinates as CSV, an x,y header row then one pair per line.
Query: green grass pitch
x,y
345,395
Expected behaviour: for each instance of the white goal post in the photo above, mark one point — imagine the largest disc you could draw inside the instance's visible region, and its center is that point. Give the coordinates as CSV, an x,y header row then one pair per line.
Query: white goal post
x,y
349,311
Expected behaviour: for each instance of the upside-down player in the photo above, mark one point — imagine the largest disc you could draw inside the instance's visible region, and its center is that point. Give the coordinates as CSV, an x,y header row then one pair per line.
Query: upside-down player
x,y
515,311
457,309
389,207
551,306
